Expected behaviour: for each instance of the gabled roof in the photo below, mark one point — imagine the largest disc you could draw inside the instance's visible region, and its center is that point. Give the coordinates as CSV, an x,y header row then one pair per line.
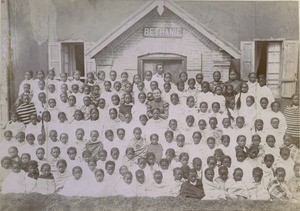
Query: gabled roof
x,y
180,12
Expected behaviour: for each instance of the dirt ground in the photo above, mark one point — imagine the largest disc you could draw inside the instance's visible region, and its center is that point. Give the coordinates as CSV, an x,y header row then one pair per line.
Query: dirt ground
x,y
32,202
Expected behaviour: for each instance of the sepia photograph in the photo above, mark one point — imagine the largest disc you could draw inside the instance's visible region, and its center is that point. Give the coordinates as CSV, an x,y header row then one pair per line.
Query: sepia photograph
x,y
149,105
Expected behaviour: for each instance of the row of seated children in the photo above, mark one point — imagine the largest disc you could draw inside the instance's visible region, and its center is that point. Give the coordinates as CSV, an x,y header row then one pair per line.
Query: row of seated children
x,y
184,181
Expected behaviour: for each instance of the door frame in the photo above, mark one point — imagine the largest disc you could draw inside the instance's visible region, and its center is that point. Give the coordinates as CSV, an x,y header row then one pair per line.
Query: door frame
x,y
161,57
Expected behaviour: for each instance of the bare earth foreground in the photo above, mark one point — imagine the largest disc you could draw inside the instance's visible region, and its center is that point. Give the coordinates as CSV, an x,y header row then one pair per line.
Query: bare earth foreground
x,y
40,202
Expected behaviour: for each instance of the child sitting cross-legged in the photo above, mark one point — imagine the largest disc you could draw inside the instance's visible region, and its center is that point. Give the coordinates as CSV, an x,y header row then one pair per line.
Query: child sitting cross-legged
x,y
14,181
45,182
31,177
193,188
159,186
257,188
236,187
278,187
212,189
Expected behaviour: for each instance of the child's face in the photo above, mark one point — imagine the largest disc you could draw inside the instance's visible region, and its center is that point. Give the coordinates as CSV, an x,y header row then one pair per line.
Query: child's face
x,y
180,141
164,165
130,154
14,117
210,175
32,169
295,100
121,134
115,154
137,134
71,101
167,88
252,78
64,88
55,153
178,174
86,157
20,137
25,159
142,163
41,139
124,78
241,142
30,140
41,85
285,154
154,140
191,102
12,153
64,98
94,136
76,75
87,101
217,76
180,87
6,164
115,100
40,154
151,160
51,88
238,175
109,136
224,174
229,89
249,101
240,122
79,135
253,153
255,141
26,88
72,154
113,114
269,162
64,77
107,86
169,156
227,162
219,156
156,114
264,103
203,107
199,78
174,99
271,142
53,135
94,114
16,168
173,125
167,78
212,163
213,123
101,76
143,120
192,176
99,176
52,103
275,123
226,142
140,177
128,87
232,75
196,138
46,171
275,107
211,143
117,86
127,179
280,176
287,140
77,174
64,138
197,164
28,75
113,75
244,88
192,84
102,156
61,167
257,176
183,77
184,160
148,76
240,156
92,166
158,178
219,90
259,125
110,169
202,124
8,136
142,98
169,137
86,90
215,108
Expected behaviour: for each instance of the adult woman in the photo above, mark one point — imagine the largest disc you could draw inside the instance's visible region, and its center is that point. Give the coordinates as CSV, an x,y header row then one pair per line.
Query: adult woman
x,y
158,102
236,84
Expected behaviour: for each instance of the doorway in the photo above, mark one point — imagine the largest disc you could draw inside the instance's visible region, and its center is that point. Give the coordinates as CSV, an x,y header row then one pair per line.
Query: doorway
x,y
172,63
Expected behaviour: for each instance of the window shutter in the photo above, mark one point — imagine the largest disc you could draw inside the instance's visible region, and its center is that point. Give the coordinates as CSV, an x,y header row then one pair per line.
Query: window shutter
x,y
247,59
290,68
54,57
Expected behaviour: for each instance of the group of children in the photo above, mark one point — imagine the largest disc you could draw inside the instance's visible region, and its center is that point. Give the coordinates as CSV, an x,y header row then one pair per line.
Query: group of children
x,y
151,137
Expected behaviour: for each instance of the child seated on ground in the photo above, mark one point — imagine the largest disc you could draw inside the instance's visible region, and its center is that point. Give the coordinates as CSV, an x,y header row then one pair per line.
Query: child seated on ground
x,y
6,163
236,187
141,184
257,189
176,182
197,165
155,147
13,153
223,177
45,182
31,177
193,188
294,183
286,162
151,160
268,168
14,182
278,187
62,175
76,185
212,189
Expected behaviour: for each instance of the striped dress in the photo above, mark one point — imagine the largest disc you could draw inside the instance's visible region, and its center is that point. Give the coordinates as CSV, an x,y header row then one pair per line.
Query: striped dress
x,y
292,115
25,111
